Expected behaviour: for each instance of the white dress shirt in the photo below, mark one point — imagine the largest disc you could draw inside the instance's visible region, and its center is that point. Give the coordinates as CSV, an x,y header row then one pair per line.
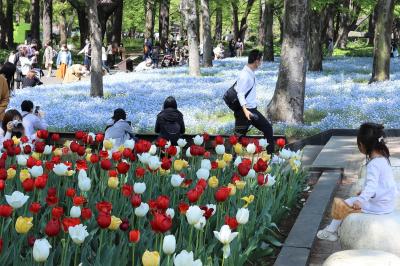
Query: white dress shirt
x,y
246,81
32,123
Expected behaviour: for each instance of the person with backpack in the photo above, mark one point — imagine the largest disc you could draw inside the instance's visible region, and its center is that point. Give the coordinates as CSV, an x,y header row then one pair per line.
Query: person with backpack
x,y
169,123
241,98
119,129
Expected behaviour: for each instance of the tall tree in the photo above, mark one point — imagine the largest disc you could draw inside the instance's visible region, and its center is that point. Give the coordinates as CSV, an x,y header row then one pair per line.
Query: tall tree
x,y
207,39
47,20
96,70
287,103
35,19
262,27
269,31
371,27
235,15
10,23
116,31
315,42
218,22
3,26
383,31
348,18
188,8
63,27
80,7
164,22
149,11
243,22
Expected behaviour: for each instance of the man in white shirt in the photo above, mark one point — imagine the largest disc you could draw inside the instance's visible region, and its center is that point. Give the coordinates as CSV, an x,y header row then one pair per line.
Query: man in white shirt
x,y
31,121
246,92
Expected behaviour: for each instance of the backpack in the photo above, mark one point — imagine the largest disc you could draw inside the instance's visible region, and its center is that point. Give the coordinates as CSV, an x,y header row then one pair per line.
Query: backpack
x,y
171,131
231,99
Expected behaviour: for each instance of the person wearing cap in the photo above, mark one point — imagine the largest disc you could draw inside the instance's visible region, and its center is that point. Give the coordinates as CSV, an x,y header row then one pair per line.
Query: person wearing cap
x,y
64,60
118,128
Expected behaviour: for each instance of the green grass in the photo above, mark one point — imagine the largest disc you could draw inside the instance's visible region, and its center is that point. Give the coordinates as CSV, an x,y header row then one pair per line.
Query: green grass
x,y
312,115
356,49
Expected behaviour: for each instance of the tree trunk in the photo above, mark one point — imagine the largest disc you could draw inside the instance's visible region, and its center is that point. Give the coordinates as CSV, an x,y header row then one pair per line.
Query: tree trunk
x,y
164,22
235,15
63,28
10,24
188,8
315,42
243,22
383,31
47,20
218,23
83,26
96,70
371,27
207,40
288,101
35,20
2,27
116,31
330,30
149,13
269,31
348,21
262,27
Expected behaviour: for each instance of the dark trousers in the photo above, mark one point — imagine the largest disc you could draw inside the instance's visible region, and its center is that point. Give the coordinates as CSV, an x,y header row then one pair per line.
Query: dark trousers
x,y
258,121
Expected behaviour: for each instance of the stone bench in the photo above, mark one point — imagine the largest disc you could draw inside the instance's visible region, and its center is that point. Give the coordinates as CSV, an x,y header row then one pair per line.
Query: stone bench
x,y
369,231
362,258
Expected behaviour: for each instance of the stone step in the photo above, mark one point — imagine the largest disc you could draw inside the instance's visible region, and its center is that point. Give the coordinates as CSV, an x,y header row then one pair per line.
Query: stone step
x,y
310,152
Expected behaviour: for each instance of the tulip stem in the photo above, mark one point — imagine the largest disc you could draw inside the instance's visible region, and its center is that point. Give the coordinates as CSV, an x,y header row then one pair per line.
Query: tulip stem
x,y
168,260
2,225
133,254
101,242
190,238
76,255
223,260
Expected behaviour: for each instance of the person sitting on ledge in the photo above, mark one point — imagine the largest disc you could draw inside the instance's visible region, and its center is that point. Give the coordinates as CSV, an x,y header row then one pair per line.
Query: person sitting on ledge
x,y
118,128
379,193
32,120
30,80
170,124
75,73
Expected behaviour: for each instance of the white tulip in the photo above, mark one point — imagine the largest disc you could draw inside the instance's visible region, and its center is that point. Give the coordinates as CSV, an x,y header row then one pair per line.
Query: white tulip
x,y
142,210
84,183
242,216
169,244
237,161
182,143
168,144
225,236
139,188
194,214
16,199
188,154
153,149
263,143
154,162
176,180
36,171
170,212
220,149
251,173
129,143
41,250
285,154
206,164
251,148
75,212
144,157
22,159
198,140
201,223
271,180
47,149
78,233
277,160
203,174
178,150
186,259
60,169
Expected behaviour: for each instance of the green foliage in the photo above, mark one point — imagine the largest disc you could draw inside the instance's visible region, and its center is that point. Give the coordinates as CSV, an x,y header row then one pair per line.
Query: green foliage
x,y
357,48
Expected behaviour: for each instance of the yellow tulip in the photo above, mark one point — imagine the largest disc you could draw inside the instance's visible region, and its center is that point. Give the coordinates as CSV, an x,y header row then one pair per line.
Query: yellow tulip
x,y
70,173
115,223
240,184
266,157
16,140
108,145
227,157
23,224
36,155
113,182
221,164
24,174
11,173
233,189
121,148
178,165
67,143
164,172
151,258
88,151
248,200
57,152
88,157
238,148
213,182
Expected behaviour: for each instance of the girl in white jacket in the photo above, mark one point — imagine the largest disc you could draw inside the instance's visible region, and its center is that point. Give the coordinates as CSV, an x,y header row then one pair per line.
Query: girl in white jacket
x,y
379,192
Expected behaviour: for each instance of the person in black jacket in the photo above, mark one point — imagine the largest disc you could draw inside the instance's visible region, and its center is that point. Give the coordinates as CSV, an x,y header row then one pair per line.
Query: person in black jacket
x,y
170,124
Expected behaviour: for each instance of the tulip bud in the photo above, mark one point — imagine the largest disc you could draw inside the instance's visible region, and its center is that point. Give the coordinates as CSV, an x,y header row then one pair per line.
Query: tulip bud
x,y
169,244
41,250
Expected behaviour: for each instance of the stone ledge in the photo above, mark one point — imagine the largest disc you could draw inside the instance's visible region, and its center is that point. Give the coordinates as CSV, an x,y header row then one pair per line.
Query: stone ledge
x,y
290,256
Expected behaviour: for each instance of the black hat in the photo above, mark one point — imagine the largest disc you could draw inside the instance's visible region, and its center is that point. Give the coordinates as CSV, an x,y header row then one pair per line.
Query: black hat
x,y
119,114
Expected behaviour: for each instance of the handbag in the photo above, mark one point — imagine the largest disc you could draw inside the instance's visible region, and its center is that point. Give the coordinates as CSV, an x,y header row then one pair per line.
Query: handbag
x,y
231,99
340,209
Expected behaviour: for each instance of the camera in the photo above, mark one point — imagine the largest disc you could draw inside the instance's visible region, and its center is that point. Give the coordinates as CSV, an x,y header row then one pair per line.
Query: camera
x,y
17,125
37,108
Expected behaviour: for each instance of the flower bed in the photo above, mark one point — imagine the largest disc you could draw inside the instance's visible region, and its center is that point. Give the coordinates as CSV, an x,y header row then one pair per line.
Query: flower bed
x,y
143,202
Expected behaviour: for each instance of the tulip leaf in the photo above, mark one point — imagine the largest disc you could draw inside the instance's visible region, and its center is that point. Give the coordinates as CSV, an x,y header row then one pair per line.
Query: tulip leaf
x,y
271,239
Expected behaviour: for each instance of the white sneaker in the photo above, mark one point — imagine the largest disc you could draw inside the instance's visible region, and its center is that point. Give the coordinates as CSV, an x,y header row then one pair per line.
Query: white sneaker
x,y
327,235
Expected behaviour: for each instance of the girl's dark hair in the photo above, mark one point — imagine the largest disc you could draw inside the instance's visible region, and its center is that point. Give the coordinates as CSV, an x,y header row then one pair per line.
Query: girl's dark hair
x,y
8,117
170,102
8,70
371,136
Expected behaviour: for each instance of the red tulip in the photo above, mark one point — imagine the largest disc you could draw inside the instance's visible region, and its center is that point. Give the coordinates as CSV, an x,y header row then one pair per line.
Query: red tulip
x,y
117,156
27,149
57,212
104,220
81,150
39,146
222,194
3,174
243,169
142,146
79,134
55,137
53,227
51,200
136,200
219,140
127,190
134,236
161,223
127,153
161,142
42,134
99,138
208,212
86,213
94,158
123,168
79,200
260,179
166,163
41,181
183,207
193,195
35,207
104,206
162,202
152,204
81,165
206,136
103,154
233,140
232,222
68,222
124,226
202,183
28,184
281,142
70,192
2,185
31,240
260,166
139,172
105,164
5,211
172,150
